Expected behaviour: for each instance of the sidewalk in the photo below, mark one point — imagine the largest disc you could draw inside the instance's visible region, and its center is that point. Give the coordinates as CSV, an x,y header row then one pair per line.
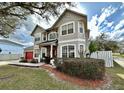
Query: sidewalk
x,y
119,60
7,62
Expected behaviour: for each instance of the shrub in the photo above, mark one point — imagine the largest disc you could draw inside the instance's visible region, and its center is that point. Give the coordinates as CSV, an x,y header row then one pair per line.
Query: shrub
x,y
34,61
23,60
82,68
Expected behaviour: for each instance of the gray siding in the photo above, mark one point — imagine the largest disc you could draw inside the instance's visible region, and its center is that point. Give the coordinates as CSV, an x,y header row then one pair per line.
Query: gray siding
x,y
38,33
75,43
70,17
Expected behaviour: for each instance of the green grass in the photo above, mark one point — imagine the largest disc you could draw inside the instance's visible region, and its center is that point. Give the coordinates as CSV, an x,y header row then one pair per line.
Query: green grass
x,y
29,78
37,78
118,55
117,81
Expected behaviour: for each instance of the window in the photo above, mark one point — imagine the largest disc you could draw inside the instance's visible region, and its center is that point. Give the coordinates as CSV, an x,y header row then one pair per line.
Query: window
x,y
52,35
70,28
64,30
71,51
64,51
81,49
37,38
67,29
80,27
68,51
44,37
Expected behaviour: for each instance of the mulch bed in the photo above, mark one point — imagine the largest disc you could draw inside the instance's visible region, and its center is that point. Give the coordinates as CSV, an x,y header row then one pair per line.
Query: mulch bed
x,y
93,84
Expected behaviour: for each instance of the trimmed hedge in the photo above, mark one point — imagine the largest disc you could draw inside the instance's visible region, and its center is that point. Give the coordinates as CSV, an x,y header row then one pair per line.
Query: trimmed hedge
x,y
82,68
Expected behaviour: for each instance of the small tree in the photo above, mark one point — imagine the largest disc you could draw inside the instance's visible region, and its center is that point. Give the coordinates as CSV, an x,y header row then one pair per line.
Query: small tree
x,y
92,47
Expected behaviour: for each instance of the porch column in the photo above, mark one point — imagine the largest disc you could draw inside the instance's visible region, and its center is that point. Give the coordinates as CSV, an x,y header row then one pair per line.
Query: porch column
x,y
51,51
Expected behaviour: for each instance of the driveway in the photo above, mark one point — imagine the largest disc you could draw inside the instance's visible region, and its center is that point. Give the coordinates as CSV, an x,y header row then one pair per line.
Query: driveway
x,y
8,62
119,60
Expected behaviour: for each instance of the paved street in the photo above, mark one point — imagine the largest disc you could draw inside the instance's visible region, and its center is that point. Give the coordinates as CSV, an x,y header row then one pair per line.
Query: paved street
x,y
119,60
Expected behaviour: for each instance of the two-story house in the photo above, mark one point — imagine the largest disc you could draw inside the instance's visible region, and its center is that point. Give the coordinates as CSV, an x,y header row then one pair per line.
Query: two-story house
x,y
68,37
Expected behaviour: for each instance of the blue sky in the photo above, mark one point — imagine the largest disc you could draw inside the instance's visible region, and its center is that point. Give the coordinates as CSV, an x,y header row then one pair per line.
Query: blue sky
x,y
105,17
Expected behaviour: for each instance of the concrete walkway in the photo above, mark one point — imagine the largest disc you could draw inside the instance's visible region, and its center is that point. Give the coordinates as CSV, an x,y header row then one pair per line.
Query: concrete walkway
x,y
119,60
8,62
26,64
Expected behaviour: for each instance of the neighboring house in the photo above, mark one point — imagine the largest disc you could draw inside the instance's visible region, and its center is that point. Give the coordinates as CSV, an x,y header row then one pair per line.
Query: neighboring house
x,y
10,50
68,37
10,47
28,53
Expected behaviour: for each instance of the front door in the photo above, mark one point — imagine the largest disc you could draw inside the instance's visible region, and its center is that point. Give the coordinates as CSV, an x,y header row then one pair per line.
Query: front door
x,y
43,52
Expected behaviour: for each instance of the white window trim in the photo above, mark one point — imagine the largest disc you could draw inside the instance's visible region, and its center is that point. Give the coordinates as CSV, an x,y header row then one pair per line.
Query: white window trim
x,y
52,33
79,47
67,28
67,49
72,40
79,28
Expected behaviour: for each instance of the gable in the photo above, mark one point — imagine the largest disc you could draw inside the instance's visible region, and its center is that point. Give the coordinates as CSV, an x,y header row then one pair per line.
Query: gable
x,y
69,15
37,29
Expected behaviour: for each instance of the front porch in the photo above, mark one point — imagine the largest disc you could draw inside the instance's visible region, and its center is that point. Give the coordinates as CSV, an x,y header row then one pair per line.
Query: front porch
x,y
47,50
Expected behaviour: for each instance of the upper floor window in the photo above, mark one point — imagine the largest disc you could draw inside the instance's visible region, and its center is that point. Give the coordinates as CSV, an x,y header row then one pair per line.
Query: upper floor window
x,y
44,37
67,28
64,30
37,39
81,27
52,36
70,28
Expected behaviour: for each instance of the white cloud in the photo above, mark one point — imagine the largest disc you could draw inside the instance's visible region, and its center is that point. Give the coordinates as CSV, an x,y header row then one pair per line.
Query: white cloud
x,y
78,8
110,24
106,12
119,25
95,23
92,25
115,35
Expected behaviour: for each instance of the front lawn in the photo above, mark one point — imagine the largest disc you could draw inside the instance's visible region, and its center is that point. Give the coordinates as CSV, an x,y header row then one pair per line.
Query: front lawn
x,y
117,76
12,77
118,55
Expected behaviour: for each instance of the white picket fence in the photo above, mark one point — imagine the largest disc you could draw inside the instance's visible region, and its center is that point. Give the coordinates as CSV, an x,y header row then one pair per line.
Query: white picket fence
x,y
106,55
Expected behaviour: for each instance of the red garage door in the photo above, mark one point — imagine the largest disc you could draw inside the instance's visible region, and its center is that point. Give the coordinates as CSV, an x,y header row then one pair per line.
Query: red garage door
x,y
29,55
